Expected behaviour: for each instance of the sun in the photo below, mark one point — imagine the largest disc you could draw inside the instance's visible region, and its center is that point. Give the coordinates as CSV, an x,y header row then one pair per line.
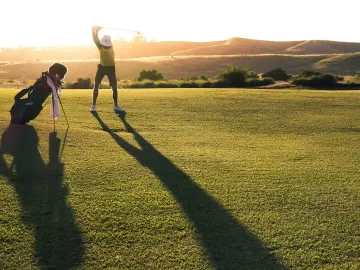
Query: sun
x,y
37,23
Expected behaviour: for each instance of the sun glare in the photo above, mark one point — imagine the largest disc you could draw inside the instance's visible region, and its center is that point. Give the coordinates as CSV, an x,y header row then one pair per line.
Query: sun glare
x,y
37,23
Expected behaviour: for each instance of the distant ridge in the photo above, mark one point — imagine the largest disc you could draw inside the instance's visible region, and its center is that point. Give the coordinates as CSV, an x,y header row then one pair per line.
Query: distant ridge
x,y
233,46
181,59
252,46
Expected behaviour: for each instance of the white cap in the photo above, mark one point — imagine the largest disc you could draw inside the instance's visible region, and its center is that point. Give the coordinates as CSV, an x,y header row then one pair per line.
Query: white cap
x,y
106,41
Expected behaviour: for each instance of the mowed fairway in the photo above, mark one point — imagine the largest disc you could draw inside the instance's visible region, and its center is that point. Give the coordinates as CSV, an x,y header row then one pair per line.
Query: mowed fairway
x,y
192,179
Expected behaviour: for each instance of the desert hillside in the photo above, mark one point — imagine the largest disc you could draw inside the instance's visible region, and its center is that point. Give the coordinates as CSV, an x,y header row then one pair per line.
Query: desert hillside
x,y
172,67
250,46
184,59
233,46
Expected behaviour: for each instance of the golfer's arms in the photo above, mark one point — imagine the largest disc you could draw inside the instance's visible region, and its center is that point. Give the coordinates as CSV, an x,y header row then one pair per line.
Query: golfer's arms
x,y
95,37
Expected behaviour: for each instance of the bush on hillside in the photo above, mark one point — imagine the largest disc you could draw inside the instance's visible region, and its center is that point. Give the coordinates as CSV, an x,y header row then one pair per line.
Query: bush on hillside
x,y
191,78
81,83
252,75
152,75
167,85
206,84
236,77
308,73
149,84
323,80
189,85
259,82
220,84
278,74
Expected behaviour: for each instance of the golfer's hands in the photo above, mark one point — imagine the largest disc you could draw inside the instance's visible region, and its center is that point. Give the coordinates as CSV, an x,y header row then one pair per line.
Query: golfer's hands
x,y
96,28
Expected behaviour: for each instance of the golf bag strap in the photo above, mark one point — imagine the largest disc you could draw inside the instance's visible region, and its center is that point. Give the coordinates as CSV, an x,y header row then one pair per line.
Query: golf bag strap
x,y
23,93
43,77
31,88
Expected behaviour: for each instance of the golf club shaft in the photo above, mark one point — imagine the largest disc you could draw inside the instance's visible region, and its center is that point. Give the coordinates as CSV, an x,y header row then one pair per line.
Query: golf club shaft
x,y
53,107
63,110
120,29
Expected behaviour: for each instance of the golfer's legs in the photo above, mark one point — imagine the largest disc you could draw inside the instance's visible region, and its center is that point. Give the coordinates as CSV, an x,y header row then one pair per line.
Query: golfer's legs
x,y
113,82
98,78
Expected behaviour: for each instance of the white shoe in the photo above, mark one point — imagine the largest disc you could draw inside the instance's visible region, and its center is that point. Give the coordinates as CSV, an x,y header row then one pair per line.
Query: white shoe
x,y
117,108
93,108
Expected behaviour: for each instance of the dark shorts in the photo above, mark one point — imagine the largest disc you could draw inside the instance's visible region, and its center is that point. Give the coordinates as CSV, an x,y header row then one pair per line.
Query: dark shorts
x,y
109,72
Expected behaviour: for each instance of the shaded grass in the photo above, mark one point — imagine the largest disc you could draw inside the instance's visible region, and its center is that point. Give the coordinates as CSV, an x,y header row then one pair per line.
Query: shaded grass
x,y
192,179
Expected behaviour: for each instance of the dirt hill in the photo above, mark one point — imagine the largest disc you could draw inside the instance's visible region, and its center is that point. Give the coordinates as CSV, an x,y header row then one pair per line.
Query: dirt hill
x,y
324,47
172,67
233,46
240,46
184,59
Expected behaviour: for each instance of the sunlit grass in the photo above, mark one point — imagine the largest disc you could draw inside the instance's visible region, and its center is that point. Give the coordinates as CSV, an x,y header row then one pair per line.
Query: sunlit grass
x,y
193,179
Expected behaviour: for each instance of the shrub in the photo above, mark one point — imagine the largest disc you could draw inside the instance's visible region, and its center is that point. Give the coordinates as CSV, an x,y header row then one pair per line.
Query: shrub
x,y
66,85
82,83
206,85
147,85
167,85
134,85
152,75
308,73
234,76
252,75
189,85
277,74
79,84
327,80
104,86
259,82
192,78
316,81
220,84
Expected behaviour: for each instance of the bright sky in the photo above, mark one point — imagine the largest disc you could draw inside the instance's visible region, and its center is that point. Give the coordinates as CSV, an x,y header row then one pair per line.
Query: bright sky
x,y
44,22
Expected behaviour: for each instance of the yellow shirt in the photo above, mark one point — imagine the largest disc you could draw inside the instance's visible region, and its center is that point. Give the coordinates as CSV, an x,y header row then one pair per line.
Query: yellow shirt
x,y
107,56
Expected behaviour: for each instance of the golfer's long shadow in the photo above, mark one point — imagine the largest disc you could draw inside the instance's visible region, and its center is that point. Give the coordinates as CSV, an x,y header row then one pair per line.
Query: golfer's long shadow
x,y
228,244
42,196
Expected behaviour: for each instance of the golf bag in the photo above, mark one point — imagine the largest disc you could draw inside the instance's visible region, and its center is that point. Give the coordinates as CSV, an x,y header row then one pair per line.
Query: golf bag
x,y
29,108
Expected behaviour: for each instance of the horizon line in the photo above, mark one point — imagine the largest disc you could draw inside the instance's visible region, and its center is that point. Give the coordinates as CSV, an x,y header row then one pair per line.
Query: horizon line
x,y
163,41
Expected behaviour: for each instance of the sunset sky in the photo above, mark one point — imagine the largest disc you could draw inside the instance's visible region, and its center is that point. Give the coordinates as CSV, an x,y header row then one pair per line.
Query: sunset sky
x,y
39,23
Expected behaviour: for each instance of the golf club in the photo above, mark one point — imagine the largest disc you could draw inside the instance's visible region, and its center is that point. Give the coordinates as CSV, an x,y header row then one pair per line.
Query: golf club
x,y
120,29
63,110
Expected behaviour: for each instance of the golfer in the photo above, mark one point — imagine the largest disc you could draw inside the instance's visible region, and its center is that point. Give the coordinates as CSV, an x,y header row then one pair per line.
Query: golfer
x,y
106,67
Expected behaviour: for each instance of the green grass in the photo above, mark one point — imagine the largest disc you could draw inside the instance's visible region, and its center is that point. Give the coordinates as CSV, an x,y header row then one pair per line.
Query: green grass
x,y
193,179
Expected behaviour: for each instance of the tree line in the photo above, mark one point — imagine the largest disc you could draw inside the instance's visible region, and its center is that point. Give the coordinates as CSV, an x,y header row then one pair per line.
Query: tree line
x,y
232,77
